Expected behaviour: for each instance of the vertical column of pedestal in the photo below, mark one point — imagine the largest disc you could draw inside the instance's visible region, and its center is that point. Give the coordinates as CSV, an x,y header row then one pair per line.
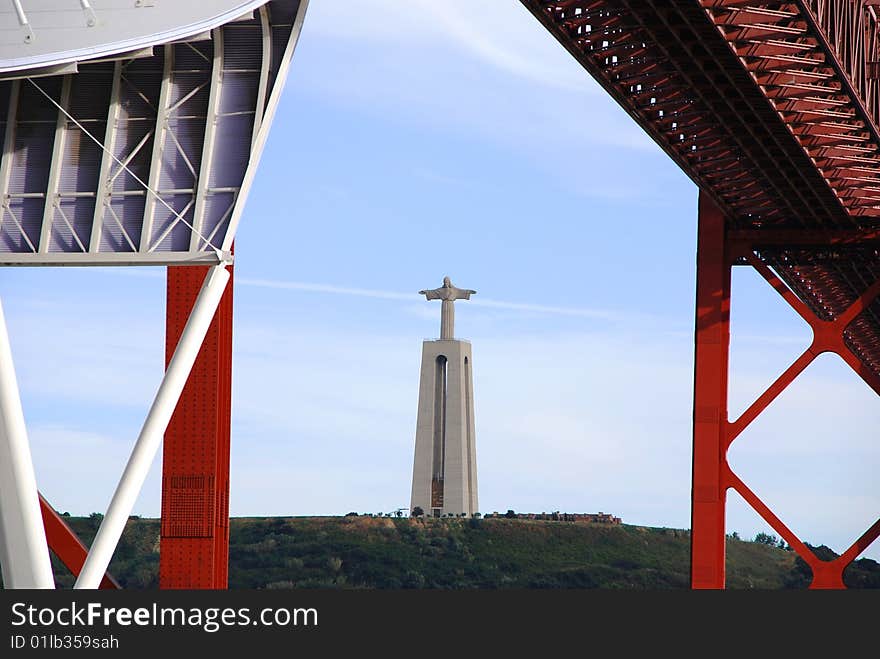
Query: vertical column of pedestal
x,y
423,461
194,547
461,459
455,498
711,355
473,503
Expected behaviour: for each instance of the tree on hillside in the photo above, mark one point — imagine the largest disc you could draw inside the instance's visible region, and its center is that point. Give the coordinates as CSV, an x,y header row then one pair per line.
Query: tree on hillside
x,y
417,511
766,539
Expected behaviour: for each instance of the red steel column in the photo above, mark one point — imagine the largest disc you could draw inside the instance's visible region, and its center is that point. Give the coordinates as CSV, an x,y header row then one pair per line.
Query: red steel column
x,y
194,544
711,353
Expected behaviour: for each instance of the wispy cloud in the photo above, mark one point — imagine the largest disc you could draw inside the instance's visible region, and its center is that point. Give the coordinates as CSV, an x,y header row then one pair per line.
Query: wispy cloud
x,y
487,68
546,309
408,297
332,289
323,288
497,35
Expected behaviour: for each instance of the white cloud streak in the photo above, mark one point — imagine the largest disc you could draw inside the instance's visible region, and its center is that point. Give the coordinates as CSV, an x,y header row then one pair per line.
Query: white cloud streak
x,y
409,297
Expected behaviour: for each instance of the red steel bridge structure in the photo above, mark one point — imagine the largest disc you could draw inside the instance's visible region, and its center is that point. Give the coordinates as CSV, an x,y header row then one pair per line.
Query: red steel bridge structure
x,y
773,110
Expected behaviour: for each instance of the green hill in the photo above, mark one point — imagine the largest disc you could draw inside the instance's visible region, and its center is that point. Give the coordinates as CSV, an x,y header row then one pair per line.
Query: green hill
x,y
383,552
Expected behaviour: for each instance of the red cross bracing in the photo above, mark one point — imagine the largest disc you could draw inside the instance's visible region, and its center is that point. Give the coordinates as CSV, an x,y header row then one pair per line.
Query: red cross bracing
x,y
772,109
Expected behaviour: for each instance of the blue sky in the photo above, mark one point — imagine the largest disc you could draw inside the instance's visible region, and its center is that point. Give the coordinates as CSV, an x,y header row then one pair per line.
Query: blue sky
x,y
416,140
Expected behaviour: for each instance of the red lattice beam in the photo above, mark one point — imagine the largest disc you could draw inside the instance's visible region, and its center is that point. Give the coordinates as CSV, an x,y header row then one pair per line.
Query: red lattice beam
x,y
714,432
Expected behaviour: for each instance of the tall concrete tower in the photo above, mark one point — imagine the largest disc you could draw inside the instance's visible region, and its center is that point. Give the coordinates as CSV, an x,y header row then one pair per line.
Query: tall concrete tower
x,y
445,464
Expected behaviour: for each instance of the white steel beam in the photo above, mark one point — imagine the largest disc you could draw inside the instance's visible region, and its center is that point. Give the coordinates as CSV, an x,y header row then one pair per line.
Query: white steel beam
x,y
103,192
8,147
260,106
127,55
205,257
154,427
171,225
209,141
158,148
55,168
23,547
41,72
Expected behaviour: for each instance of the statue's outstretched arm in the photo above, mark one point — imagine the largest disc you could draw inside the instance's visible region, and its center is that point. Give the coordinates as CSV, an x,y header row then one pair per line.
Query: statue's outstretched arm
x,y
463,293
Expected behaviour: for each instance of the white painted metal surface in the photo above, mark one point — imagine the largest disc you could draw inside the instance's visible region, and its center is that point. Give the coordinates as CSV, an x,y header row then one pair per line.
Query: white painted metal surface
x,y
58,31
158,147
160,159
23,549
213,111
102,195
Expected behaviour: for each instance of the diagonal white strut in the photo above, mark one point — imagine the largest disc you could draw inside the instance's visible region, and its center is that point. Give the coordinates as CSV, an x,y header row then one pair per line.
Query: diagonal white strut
x,y
154,427
24,553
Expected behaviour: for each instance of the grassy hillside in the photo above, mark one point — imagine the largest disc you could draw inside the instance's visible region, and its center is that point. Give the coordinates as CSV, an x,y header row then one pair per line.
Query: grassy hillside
x,y
367,552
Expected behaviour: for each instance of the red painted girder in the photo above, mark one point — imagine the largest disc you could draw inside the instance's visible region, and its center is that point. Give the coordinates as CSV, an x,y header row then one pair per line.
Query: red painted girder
x,y
797,103
789,76
828,336
829,139
691,133
654,96
769,47
858,173
794,238
712,339
649,74
855,124
827,161
816,115
707,152
829,156
779,62
194,546
757,31
752,15
66,545
694,120
725,4
624,70
796,90
618,45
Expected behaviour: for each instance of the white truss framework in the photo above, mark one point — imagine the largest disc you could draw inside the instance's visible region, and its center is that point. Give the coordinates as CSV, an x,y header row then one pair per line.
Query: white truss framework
x,y
147,169
146,161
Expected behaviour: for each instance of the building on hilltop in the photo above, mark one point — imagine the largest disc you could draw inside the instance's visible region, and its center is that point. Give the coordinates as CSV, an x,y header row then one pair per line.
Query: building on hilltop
x,y
595,518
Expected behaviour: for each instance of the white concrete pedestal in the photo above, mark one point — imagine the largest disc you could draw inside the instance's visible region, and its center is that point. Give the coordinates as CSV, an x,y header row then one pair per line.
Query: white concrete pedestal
x,y
445,463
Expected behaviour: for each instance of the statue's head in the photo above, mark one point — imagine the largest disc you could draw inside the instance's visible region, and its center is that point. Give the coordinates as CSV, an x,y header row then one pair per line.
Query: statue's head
x,y
446,282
